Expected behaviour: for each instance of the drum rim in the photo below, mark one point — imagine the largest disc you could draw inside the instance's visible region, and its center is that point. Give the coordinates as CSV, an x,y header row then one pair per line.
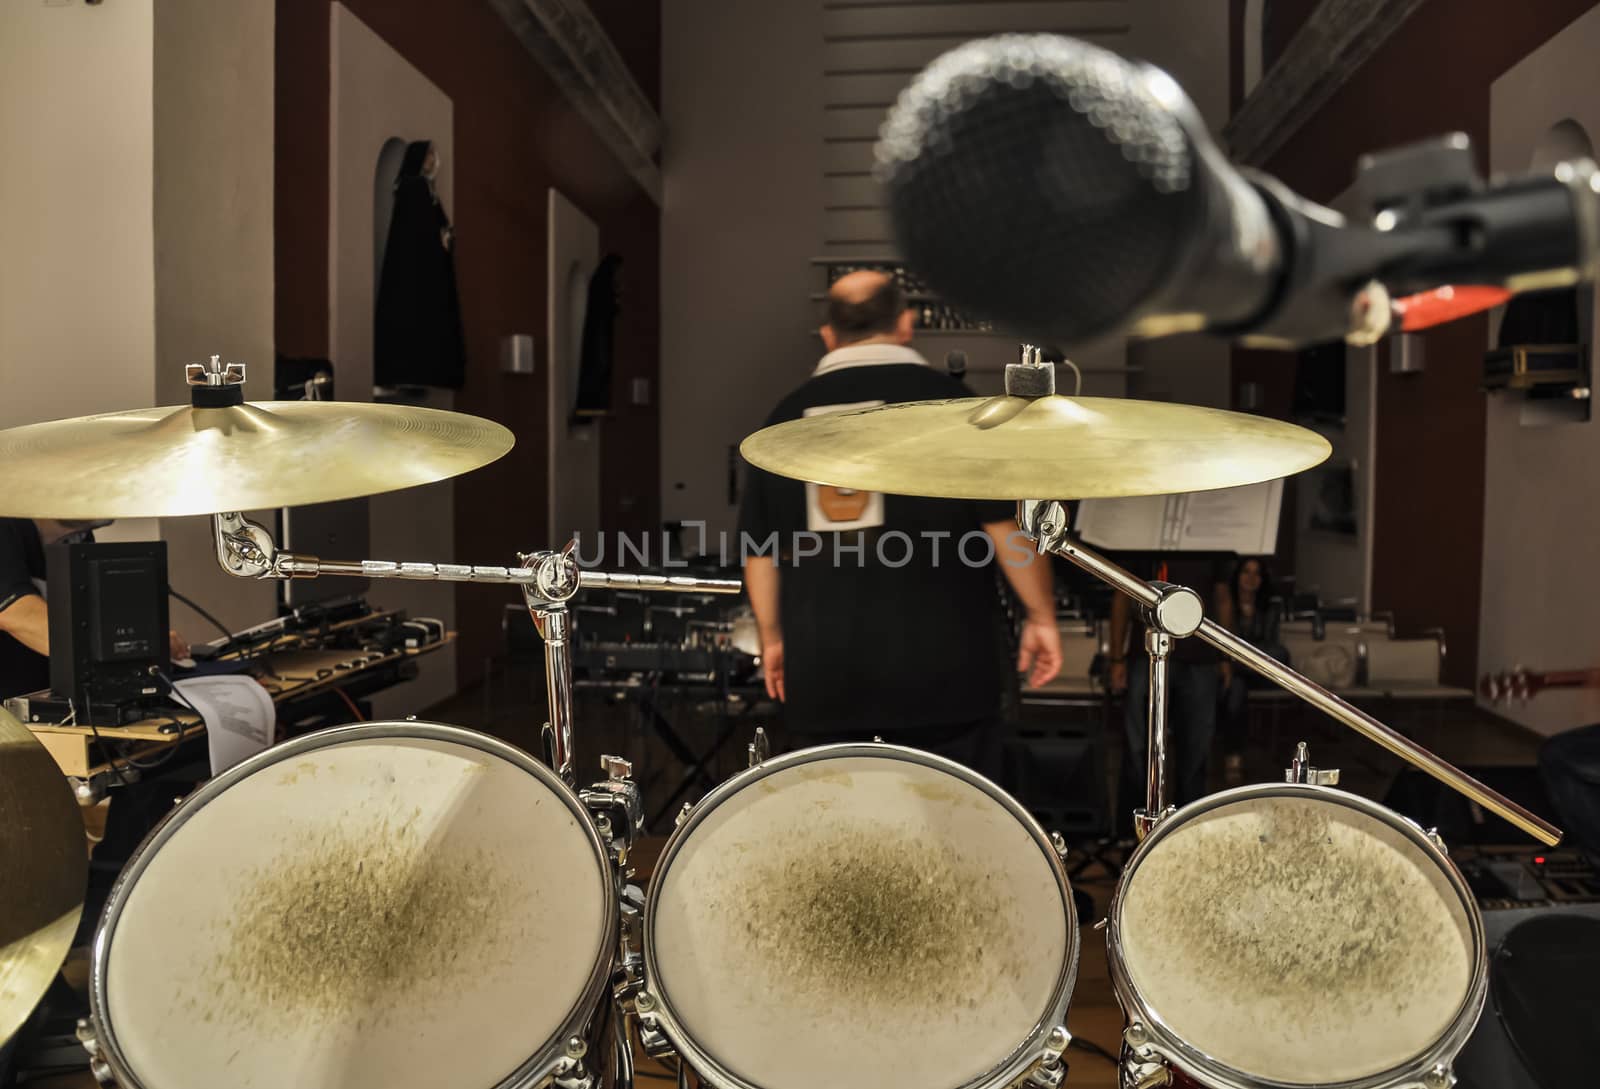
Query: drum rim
x,y
548,1059
659,1005
1440,1053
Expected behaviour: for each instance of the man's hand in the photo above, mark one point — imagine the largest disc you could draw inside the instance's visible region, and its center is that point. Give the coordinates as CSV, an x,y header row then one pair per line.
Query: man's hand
x,y
1117,677
1039,650
178,645
772,667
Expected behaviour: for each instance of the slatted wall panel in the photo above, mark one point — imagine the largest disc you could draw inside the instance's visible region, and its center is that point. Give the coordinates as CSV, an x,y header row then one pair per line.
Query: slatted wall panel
x,y
872,48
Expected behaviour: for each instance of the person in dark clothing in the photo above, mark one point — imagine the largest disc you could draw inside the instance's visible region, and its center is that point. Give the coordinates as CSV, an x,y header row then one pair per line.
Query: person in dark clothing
x,y
24,622
1569,764
1257,614
1196,675
880,615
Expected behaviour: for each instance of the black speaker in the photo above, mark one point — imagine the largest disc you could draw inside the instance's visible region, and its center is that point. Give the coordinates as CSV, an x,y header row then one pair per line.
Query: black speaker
x,y
108,622
1058,773
1543,1009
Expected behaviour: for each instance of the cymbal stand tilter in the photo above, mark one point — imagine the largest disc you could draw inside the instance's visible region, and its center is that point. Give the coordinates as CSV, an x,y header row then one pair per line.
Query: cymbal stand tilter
x,y
1178,612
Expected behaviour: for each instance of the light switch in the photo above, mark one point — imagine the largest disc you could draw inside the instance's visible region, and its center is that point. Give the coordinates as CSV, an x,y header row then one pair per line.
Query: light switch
x,y
516,353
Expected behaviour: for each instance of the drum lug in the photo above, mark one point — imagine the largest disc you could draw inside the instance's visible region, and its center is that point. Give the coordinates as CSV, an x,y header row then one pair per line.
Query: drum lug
x,y
1438,841
1142,1067
98,1067
1136,1043
759,748
1059,842
683,814
1301,771
576,1075
651,1038
1049,1072
1144,824
1440,1077
1138,1075
577,1078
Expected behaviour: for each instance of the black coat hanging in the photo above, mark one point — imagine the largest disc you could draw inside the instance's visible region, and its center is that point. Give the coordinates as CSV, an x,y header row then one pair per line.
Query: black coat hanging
x,y
598,349
417,322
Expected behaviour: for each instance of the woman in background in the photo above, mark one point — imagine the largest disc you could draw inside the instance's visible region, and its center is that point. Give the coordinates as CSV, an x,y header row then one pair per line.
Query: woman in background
x,y
1256,613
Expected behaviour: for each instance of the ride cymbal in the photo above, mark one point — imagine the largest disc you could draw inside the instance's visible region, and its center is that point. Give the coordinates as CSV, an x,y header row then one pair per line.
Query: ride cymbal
x,y
183,460
44,865
1051,447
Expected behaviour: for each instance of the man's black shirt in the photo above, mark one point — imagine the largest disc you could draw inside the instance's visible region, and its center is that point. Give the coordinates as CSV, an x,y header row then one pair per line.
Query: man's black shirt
x,y
895,623
22,572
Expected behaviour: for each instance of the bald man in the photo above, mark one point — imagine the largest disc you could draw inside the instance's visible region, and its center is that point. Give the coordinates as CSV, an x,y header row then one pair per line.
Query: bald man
x,y
882,614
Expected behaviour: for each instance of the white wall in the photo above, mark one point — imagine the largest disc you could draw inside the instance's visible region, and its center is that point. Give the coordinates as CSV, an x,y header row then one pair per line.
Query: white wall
x,y
1338,567
1189,39
743,158
213,259
136,224
741,112
379,96
1541,483
77,290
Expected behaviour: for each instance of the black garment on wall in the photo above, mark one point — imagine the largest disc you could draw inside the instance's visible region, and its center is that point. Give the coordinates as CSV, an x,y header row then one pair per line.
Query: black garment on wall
x,y
417,324
598,350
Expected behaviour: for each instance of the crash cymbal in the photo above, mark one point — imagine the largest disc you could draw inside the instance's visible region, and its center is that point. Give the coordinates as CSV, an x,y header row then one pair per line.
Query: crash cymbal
x,y
44,861
167,462
1051,447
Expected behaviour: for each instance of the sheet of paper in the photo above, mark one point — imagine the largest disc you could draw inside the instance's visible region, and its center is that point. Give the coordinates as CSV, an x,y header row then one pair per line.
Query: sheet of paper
x,y
239,715
1123,524
1242,520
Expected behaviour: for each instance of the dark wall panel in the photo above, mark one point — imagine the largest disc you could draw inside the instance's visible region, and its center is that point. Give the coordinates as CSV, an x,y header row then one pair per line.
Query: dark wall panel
x,y
1432,76
515,137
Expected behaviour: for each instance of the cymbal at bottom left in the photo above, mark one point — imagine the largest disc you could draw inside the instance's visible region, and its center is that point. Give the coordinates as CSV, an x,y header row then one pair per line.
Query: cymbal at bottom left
x,y
44,860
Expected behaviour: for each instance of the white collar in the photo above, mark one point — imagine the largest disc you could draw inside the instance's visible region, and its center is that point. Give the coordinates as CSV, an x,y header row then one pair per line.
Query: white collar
x,y
868,355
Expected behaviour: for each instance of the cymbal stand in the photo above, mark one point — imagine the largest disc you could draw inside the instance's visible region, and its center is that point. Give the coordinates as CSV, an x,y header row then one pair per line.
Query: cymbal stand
x,y
548,581
1175,615
1177,611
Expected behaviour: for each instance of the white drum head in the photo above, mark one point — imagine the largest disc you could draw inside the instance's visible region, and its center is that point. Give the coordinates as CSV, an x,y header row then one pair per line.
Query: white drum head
x,y
857,922
366,912
1295,939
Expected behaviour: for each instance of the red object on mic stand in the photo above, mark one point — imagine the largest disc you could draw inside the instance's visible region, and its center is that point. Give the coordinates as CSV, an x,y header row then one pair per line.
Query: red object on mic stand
x,y
1429,308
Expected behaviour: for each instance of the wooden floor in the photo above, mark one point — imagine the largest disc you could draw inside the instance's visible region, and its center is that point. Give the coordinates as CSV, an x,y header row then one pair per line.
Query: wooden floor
x,y
511,708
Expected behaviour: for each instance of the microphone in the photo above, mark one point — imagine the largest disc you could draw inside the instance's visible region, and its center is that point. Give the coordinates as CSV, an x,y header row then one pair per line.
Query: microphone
x,y
955,362
1072,196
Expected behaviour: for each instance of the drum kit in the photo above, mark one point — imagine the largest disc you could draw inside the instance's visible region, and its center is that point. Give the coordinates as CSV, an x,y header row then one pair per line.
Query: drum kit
x,y
411,904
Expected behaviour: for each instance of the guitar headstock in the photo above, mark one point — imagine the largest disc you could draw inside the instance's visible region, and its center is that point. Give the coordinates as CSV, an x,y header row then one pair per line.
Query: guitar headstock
x,y
1509,685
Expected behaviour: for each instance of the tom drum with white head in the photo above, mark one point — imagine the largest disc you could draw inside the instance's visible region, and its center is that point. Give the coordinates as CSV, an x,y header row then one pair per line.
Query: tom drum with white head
x,y
382,906
857,916
1293,936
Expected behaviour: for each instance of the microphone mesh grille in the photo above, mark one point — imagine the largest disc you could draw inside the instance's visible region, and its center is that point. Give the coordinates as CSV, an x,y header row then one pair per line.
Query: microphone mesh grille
x,y
1037,181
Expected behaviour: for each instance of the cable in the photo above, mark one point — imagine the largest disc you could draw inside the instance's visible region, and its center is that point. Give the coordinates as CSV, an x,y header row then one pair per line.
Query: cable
x,y
178,697
111,756
218,624
166,754
1094,1049
350,703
